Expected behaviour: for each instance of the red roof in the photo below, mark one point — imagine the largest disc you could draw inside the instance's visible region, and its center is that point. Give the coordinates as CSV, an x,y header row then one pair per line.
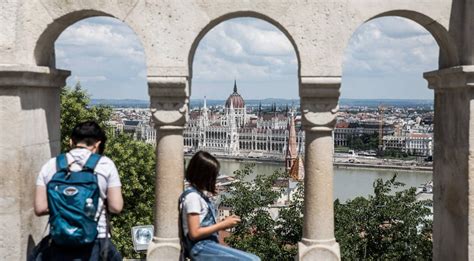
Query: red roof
x,y
342,125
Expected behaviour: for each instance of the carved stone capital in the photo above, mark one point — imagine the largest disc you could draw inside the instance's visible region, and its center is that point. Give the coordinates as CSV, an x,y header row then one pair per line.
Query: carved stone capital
x,y
319,102
169,97
32,76
451,78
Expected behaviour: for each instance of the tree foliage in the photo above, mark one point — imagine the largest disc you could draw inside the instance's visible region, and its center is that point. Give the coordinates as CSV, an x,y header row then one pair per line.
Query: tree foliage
x,y
385,226
75,108
363,141
290,221
394,153
251,201
135,161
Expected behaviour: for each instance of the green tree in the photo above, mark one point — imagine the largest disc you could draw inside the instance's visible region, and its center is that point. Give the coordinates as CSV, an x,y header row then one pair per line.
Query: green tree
x,y
385,226
363,141
290,222
75,108
251,201
135,161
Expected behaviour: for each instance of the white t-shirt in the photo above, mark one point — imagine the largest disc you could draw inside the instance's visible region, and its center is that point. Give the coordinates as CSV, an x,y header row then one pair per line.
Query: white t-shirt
x,y
193,203
107,176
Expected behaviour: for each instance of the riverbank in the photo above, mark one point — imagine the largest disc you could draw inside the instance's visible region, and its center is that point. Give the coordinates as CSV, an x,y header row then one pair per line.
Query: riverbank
x,y
383,167
337,163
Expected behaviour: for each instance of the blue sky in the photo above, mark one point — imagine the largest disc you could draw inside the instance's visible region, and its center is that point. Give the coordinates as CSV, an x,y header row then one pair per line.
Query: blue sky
x,y
385,58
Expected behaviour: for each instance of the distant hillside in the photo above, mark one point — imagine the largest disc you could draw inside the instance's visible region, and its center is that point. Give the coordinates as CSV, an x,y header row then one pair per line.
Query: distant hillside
x,y
132,103
122,103
385,102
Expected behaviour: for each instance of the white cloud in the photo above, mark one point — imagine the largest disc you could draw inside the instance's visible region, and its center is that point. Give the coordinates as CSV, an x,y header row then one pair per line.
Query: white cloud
x,y
244,48
112,38
106,56
386,58
389,46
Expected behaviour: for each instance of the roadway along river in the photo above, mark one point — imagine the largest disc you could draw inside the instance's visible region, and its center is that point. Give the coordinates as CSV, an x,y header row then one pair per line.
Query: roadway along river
x,y
348,183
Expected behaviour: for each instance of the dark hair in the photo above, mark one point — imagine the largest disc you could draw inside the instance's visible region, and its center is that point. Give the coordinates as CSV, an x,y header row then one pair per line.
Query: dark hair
x,y
202,171
89,132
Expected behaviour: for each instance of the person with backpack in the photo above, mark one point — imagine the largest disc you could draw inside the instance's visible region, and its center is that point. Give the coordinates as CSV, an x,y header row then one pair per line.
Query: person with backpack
x,y
197,215
78,189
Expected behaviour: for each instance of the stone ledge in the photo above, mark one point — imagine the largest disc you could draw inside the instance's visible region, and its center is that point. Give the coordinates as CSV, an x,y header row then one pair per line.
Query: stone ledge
x,y
320,87
173,87
17,75
451,78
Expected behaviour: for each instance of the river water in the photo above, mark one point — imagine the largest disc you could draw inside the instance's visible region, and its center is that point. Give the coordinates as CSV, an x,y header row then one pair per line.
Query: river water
x,y
348,183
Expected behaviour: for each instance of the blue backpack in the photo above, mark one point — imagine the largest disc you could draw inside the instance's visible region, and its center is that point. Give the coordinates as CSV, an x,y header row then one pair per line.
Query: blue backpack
x,y
69,194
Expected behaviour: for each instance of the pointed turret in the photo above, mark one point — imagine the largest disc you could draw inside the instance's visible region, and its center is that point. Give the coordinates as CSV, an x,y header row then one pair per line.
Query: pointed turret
x,y
291,151
238,101
205,116
259,109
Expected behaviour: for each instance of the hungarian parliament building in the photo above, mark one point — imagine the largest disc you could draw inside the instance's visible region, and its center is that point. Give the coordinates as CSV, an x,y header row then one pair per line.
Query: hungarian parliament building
x,y
236,133
233,132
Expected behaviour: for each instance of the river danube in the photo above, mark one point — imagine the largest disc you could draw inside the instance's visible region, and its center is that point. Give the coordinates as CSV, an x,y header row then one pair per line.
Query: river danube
x,y
348,183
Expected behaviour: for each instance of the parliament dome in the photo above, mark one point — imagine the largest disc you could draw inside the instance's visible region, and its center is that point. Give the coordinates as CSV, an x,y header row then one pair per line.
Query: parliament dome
x,y
235,99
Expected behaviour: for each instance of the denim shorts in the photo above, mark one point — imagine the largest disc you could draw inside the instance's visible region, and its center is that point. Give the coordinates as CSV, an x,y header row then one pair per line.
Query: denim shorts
x,y
210,250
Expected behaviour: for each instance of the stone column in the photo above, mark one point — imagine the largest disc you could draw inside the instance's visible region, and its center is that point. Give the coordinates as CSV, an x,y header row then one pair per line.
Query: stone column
x,y
453,173
319,105
169,101
29,136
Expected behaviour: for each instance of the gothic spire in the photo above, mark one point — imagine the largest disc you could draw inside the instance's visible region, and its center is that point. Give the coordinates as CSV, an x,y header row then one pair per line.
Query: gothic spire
x,y
260,109
235,86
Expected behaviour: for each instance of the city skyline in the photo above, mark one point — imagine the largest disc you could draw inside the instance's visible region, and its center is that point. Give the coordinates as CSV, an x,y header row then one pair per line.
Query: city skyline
x,y
384,59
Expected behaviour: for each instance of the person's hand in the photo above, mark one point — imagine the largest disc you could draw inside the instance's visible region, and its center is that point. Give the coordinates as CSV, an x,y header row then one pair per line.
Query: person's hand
x,y
231,221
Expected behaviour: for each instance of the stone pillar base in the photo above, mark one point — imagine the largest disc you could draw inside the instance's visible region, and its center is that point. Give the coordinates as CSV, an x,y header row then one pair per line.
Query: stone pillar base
x,y
164,249
318,250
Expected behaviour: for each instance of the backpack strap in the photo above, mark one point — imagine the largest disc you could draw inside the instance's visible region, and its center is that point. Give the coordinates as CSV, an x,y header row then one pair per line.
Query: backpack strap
x,y
209,205
61,163
92,162
208,201
186,192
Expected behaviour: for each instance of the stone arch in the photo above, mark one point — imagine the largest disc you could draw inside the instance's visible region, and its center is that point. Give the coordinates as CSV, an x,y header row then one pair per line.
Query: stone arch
x,y
448,56
239,14
44,46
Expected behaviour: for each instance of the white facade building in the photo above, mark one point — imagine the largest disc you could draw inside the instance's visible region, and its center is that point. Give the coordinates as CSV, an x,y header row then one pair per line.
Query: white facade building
x,y
235,134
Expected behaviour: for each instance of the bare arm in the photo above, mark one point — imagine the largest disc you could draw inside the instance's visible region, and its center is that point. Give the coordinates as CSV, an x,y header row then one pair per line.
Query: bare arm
x,y
197,232
115,199
41,201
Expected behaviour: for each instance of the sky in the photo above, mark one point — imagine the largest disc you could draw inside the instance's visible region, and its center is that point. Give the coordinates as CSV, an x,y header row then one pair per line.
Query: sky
x,y
384,59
